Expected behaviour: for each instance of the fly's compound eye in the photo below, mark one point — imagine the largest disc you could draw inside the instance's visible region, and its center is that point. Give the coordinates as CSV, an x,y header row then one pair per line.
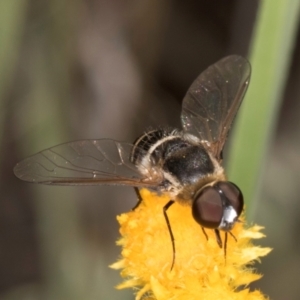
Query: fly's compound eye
x,y
233,195
207,208
218,206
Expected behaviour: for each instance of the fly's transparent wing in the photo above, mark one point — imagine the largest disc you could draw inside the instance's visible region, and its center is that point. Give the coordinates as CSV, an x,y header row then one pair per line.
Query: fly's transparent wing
x,y
86,162
213,100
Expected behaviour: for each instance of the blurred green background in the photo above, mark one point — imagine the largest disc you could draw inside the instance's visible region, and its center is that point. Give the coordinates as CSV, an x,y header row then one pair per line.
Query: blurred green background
x,y
89,69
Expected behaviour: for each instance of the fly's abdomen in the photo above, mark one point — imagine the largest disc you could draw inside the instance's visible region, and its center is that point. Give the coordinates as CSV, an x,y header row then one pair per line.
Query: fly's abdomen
x,y
148,146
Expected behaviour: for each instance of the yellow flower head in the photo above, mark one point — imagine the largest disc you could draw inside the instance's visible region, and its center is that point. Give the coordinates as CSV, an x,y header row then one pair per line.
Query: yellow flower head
x,y
200,271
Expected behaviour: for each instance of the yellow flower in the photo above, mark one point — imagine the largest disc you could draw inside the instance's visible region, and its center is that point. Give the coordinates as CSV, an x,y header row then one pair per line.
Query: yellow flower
x,y
200,270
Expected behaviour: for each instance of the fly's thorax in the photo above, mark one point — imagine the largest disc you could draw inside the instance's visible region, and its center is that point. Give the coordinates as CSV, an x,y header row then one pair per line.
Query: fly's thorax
x,y
181,159
188,192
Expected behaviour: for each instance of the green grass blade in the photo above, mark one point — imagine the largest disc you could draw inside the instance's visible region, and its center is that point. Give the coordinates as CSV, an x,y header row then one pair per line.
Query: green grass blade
x,y
270,57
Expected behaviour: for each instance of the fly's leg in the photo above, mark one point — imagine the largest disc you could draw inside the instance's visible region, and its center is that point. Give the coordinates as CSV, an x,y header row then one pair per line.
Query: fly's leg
x,y
225,245
204,232
232,235
137,192
165,208
218,238
219,241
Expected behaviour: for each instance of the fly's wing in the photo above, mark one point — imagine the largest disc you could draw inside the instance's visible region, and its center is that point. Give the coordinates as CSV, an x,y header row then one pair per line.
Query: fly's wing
x,y
213,100
86,162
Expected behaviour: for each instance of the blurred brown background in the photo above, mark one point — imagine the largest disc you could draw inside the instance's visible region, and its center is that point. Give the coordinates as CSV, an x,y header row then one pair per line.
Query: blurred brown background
x,y
90,69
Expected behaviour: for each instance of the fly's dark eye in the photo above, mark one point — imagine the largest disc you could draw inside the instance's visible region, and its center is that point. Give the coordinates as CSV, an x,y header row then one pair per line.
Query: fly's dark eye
x,y
233,195
207,208
218,206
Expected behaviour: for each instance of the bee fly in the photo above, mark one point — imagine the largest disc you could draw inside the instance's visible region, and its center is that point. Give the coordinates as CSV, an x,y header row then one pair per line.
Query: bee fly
x,y
186,164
